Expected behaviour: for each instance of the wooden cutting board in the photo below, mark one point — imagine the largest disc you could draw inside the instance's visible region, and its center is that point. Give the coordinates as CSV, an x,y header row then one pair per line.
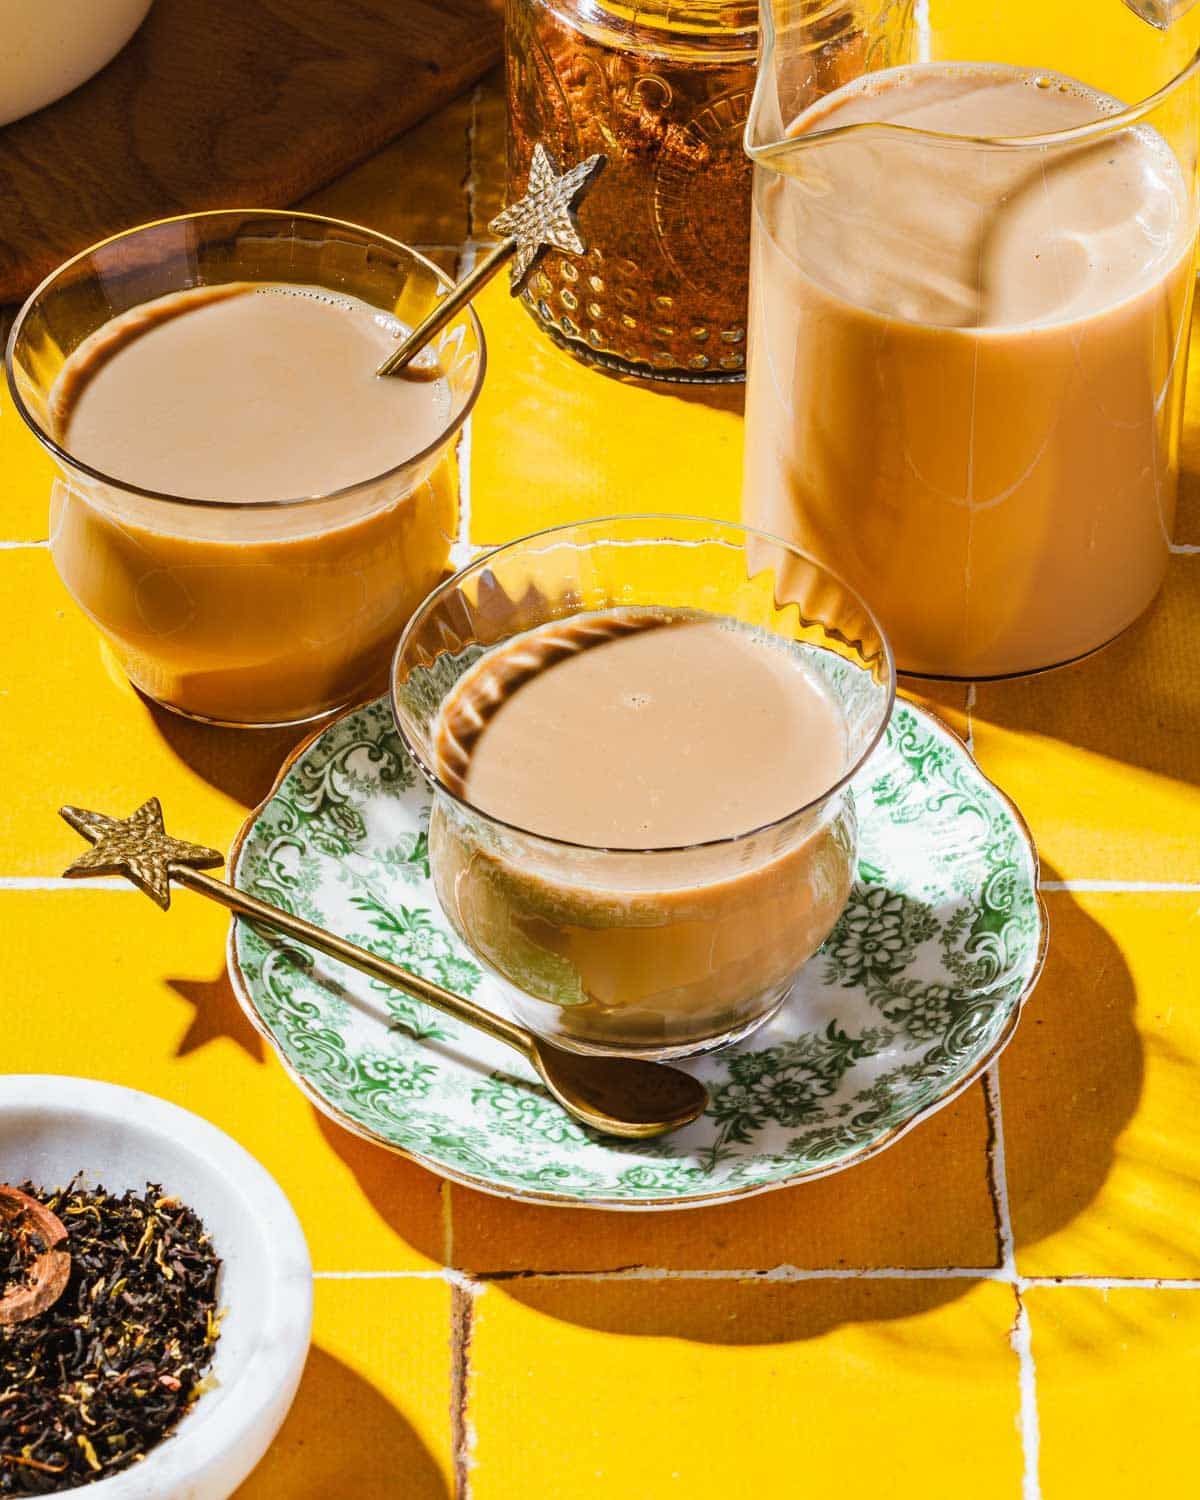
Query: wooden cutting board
x,y
228,104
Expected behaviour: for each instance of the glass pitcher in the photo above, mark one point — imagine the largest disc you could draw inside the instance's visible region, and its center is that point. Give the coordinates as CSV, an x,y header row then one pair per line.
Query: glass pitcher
x,y
971,285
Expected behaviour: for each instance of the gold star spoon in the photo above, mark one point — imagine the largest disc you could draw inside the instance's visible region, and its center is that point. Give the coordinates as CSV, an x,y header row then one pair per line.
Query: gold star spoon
x,y
544,219
620,1096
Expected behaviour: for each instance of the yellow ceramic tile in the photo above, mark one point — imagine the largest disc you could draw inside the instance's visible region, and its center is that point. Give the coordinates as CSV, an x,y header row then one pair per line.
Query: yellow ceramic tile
x,y
946,701
26,475
555,441
1187,528
1103,758
1098,1090
105,985
79,733
728,1390
414,189
1106,45
878,1214
372,1415
1117,1375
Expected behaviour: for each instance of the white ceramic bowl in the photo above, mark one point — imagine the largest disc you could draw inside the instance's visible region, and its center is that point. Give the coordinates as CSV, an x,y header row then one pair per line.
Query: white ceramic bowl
x,y
52,1127
49,47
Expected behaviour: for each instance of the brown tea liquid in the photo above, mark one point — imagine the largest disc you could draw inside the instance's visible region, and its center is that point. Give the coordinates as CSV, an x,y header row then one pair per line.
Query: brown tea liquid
x,y
630,731
237,395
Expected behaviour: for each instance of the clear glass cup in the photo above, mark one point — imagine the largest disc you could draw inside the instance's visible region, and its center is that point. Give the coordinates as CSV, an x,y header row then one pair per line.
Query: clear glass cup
x,y
945,402
656,952
260,613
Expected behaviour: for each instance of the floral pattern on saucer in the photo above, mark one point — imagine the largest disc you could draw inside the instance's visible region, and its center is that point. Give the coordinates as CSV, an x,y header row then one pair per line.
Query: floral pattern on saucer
x,y
915,991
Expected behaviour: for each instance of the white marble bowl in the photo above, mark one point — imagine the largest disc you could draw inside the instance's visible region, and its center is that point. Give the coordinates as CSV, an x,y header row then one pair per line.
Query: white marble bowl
x,y
51,1128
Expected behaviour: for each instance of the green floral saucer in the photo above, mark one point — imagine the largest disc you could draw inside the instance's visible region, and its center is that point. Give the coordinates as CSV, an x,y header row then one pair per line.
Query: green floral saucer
x,y
917,989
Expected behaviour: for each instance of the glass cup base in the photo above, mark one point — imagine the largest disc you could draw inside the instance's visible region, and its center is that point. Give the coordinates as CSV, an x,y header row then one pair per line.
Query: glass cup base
x,y
214,723
668,1052
1023,673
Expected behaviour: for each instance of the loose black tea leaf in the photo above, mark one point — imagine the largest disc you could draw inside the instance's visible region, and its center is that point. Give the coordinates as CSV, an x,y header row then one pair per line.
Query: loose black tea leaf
x,y
89,1386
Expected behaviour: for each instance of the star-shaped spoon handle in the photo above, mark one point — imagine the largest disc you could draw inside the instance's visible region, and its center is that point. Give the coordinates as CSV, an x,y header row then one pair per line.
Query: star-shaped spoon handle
x,y
621,1096
544,219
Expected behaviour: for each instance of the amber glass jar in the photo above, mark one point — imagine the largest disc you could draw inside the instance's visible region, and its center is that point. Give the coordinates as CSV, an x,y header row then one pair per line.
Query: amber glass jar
x,y
663,89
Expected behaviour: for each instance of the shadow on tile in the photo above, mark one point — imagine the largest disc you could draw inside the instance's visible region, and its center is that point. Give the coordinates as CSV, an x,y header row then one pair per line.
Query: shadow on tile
x,y
880,1214
742,1312
343,1437
926,1203
404,1195
720,396
1137,701
1071,1080
242,763
1071,1083
216,1013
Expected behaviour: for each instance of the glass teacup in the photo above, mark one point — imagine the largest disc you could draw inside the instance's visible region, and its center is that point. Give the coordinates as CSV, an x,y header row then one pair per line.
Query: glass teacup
x,y
658,952
262,611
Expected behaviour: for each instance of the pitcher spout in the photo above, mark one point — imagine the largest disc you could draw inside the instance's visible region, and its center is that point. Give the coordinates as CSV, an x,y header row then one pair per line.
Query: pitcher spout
x,y
1161,14
808,49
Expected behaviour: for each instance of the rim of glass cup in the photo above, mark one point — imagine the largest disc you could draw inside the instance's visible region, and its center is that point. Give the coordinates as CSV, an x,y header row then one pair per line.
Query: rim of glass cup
x,y
770,152
477,563
64,455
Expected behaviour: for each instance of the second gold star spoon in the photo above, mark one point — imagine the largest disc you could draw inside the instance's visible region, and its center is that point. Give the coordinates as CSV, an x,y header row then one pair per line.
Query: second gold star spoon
x,y
616,1095
544,219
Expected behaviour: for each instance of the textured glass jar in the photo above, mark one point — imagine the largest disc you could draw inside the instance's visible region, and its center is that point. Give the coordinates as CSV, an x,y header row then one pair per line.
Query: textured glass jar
x,y
663,89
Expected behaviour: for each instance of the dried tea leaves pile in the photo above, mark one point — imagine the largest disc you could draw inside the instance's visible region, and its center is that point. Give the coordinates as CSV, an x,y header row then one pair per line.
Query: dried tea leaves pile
x,y
91,1384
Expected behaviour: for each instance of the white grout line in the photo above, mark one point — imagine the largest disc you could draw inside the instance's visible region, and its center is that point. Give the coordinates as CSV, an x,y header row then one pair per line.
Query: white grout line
x,y
1021,1339
1114,1283
781,1274
1185,549
53,883
462,550
1126,887
998,1172
784,1274
924,32
1021,1335
435,1275
23,546
795,1275
463,1433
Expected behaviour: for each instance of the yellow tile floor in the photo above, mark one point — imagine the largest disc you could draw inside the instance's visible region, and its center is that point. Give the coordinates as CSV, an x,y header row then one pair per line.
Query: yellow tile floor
x,y
1005,1304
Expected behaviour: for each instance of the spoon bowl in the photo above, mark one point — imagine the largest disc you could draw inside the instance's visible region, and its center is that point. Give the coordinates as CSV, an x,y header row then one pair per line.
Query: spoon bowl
x,y
621,1096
